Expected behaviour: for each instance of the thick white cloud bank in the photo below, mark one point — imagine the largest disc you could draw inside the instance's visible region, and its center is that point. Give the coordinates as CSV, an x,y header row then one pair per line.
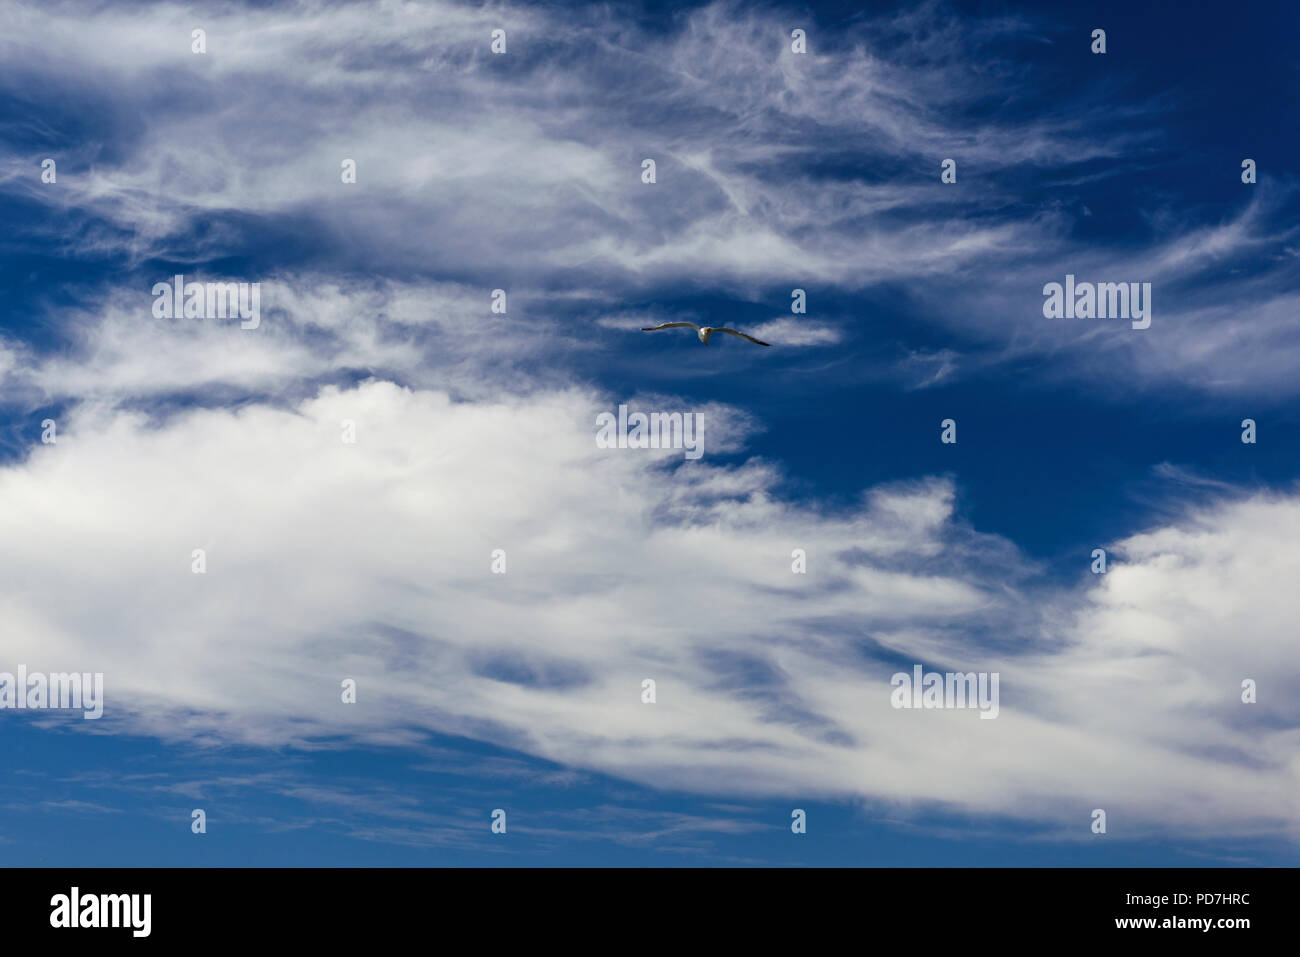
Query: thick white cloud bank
x,y
328,560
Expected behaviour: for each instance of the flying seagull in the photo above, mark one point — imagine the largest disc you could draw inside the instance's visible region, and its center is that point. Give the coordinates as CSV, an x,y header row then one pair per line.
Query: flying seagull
x,y
705,332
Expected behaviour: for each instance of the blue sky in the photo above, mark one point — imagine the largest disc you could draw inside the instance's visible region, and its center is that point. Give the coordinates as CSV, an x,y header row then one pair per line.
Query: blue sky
x,y
475,431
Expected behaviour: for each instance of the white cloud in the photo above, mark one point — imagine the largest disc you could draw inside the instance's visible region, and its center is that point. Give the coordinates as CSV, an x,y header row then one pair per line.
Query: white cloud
x,y
371,561
523,171
796,332
471,159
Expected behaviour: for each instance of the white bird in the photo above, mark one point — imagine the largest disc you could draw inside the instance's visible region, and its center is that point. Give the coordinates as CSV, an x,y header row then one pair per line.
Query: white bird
x,y
705,332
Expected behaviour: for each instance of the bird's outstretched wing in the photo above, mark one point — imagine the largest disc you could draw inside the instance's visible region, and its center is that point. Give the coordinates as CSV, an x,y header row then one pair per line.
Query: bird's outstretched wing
x,y
671,325
733,332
